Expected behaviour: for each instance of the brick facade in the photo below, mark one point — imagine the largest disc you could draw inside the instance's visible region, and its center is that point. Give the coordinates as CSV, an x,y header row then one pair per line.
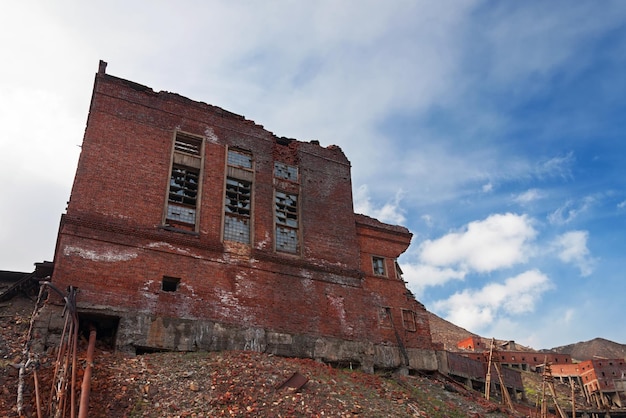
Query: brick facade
x,y
303,284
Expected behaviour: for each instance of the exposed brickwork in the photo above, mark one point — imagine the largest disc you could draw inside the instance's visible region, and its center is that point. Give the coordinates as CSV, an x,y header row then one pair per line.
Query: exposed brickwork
x,y
115,247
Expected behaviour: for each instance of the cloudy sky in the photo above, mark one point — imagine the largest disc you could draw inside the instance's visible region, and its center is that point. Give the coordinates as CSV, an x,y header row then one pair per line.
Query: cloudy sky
x,y
493,130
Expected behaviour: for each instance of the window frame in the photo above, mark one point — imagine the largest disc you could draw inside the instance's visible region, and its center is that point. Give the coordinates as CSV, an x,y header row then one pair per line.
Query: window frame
x,y
284,227
408,320
383,266
187,156
240,169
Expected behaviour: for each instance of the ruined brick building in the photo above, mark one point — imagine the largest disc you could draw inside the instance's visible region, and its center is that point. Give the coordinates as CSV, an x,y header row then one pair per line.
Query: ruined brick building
x,y
192,228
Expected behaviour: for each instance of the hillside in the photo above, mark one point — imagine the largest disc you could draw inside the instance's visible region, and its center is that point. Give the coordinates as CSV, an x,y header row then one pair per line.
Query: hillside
x,y
446,333
598,347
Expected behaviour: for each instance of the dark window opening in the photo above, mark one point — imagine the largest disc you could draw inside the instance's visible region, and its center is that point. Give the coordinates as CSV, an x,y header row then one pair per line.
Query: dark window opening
x,y
105,326
170,284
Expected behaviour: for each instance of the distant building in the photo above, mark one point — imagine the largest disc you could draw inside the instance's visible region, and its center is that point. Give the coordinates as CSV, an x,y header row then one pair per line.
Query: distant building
x,y
603,380
192,228
509,354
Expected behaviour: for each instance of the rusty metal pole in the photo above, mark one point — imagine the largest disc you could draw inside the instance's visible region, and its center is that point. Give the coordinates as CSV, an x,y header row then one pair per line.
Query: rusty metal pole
x,y
37,398
86,386
74,368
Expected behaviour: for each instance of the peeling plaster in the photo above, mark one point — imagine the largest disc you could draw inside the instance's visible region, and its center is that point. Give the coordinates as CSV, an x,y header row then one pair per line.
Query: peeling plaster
x,y
230,306
159,245
307,285
337,303
210,135
265,243
106,256
188,287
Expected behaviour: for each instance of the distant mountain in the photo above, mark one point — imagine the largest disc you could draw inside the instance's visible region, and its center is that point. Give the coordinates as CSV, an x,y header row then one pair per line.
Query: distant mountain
x,y
587,350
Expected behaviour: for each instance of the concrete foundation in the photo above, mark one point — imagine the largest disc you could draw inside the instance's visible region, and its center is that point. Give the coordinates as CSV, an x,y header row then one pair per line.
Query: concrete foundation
x,y
143,333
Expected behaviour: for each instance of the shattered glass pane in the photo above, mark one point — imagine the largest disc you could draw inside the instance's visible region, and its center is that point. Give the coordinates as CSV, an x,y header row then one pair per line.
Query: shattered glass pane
x,y
286,239
284,171
181,214
239,159
237,229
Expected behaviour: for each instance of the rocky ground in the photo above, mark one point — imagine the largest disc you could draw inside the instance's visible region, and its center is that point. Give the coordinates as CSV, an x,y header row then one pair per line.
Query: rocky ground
x,y
233,384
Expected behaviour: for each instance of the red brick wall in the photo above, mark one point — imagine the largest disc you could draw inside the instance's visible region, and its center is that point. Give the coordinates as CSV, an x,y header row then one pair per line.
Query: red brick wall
x,y
113,247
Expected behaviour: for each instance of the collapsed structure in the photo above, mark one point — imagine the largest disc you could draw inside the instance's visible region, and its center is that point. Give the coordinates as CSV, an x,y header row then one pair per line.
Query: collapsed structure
x,y
192,228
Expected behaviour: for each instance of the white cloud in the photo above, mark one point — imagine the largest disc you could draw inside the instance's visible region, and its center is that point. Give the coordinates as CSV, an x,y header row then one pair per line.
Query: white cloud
x,y
570,211
421,276
528,196
571,247
621,205
487,187
478,309
500,241
556,166
428,220
390,212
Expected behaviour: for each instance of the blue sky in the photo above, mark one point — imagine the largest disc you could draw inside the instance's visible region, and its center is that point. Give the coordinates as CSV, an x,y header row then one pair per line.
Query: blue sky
x,y
493,130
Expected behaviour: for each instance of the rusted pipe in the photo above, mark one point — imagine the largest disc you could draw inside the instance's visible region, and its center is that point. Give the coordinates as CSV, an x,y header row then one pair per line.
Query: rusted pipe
x,y
74,368
86,386
37,398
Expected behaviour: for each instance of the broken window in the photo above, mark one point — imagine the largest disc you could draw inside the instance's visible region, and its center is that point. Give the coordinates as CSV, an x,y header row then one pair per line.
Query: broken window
x,y
170,284
238,196
378,266
187,144
384,317
285,171
286,211
408,320
238,158
237,207
399,271
184,185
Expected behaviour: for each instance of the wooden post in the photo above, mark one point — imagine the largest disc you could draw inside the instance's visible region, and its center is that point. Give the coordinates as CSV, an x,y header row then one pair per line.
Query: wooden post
x,y
488,376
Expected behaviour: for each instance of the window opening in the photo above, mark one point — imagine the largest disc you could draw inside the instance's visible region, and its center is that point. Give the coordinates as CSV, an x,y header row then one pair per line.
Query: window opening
x,y
184,185
106,327
238,197
286,211
399,271
170,284
239,159
378,266
285,171
408,320
237,206
183,195
187,144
